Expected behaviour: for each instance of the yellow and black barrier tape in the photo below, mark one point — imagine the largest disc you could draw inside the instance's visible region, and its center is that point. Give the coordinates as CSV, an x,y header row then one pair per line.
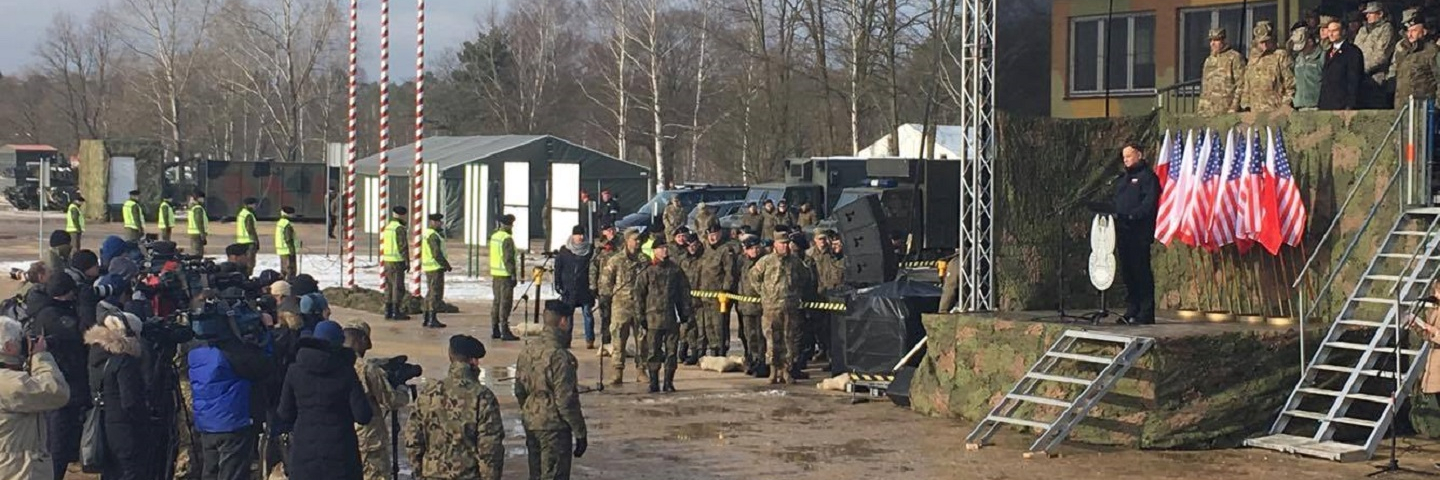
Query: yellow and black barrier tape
x,y
727,297
920,264
871,377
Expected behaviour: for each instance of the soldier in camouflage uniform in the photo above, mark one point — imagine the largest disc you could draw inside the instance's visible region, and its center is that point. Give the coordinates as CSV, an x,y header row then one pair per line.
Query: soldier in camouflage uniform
x,y
750,313
830,276
768,219
690,340
1376,41
549,398
1308,61
807,217
779,277
1221,77
664,297
752,218
606,245
674,215
1270,78
617,284
374,437
704,218
455,431
1417,66
717,273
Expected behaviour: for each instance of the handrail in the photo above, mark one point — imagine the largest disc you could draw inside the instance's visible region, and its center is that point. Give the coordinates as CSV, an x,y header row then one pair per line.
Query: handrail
x,y
1354,189
1335,271
1177,86
1177,90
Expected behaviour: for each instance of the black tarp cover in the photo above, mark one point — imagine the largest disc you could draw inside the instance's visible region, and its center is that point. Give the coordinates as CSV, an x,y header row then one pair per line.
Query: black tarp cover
x,y
880,324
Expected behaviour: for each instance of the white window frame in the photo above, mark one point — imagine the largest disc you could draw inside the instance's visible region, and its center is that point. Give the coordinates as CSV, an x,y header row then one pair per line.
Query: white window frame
x,y
1245,34
1104,51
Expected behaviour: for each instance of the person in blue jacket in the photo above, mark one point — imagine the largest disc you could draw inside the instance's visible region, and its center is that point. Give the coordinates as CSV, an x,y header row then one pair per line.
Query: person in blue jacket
x,y
225,374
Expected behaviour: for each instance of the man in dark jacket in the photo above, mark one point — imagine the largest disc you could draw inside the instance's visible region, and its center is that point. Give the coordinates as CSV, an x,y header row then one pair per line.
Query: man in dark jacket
x,y
61,327
662,294
572,280
223,373
84,270
1343,71
1137,200
607,210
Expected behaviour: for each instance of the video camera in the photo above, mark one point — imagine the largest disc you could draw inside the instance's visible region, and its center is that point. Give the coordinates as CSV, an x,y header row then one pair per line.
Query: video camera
x,y
398,370
173,329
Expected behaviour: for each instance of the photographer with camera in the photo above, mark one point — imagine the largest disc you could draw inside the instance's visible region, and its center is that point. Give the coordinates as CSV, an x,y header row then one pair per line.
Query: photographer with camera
x,y
226,375
84,270
27,396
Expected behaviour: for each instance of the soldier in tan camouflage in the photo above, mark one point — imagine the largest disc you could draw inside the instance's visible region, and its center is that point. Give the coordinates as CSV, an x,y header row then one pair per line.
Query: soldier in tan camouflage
x,y
674,216
374,437
606,246
830,276
455,431
617,283
1270,78
779,277
664,297
1221,77
1376,41
807,217
549,398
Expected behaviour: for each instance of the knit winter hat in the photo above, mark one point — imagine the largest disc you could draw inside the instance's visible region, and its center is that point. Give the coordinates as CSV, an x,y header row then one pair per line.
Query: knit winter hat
x,y
330,332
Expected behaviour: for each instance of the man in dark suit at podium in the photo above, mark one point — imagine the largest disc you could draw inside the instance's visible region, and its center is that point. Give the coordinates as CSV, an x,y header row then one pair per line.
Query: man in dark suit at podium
x,y
1137,200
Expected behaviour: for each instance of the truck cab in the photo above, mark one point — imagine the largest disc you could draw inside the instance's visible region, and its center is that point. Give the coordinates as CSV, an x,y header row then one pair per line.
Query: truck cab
x,y
690,195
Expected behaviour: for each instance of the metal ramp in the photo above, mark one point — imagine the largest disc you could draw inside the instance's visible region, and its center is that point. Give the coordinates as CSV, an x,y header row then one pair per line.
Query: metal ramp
x,y
1356,361
1027,390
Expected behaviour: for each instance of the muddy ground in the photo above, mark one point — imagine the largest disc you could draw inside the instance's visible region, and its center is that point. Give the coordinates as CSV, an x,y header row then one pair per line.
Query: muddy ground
x,y
733,427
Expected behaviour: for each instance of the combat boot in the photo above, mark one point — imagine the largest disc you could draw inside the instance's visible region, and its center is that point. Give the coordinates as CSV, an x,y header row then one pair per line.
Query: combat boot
x,y
495,331
654,374
400,312
749,366
669,380
773,375
761,370
432,321
507,336
589,344
389,311
693,358
684,351
618,379
797,374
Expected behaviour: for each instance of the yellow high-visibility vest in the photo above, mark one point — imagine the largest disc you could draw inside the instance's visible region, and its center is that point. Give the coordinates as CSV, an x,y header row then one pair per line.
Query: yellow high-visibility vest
x,y
281,246
74,219
197,222
428,262
497,254
134,218
390,242
165,217
648,248
242,235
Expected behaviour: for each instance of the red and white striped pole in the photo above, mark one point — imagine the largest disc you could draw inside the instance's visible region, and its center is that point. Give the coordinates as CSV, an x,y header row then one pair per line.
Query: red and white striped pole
x,y
348,278
418,176
384,172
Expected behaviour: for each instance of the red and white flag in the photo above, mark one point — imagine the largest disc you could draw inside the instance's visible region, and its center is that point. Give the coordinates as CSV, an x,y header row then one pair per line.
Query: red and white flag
x,y
1172,197
1162,159
1267,231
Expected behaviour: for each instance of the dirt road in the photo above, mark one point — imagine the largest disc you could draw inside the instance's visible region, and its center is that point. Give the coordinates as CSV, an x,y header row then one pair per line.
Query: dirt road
x,y
732,427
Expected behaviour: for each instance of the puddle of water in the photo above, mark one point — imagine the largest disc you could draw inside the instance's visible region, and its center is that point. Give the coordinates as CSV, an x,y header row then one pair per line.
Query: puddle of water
x,y
708,431
788,411
673,410
687,398
500,379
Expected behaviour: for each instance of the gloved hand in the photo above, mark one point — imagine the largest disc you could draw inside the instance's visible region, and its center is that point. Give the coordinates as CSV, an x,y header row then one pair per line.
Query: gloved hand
x,y
580,446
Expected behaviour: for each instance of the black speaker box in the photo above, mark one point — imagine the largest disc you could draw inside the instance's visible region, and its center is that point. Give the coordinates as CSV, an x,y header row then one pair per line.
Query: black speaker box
x,y
868,257
899,391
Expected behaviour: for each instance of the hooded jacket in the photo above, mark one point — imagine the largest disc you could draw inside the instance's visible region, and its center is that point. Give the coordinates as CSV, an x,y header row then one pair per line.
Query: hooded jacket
x,y
117,374
323,398
223,375
572,274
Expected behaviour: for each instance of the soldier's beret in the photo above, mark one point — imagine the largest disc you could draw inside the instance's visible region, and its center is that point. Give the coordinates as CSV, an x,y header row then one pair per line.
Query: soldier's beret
x,y
236,249
287,210
769,202
1217,34
714,229
1413,22
436,217
466,346
134,192
682,230
399,211
507,220
250,201
750,242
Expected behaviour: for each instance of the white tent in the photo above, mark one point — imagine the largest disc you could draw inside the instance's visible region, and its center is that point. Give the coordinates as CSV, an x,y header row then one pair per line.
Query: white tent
x,y
949,143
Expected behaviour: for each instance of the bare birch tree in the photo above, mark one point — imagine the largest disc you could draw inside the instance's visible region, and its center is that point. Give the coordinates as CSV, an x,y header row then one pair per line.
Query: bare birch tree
x,y
166,34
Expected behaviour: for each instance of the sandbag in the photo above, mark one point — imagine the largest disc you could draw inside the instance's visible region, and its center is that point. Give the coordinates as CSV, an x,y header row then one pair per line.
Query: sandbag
x,y
722,364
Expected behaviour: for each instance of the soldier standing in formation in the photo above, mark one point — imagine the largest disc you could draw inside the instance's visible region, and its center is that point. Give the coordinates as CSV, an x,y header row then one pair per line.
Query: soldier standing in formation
x,y
750,313
808,217
663,295
134,217
778,277
1270,78
718,271
752,218
704,218
1221,77
75,221
246,233
504,273
548,393
286,246
1417,65
674,215
1308,59
165,218
394,253
830,276
434,264
691,343
374,437
785,215
606,246
197,223
768,220
455,431
617,287
1377,47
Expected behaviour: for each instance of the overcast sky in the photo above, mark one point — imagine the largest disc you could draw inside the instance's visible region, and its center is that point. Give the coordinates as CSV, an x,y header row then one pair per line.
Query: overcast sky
x,y
447,23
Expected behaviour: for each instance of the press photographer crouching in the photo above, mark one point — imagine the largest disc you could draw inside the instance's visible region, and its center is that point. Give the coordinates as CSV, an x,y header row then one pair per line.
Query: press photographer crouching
x,y
31,387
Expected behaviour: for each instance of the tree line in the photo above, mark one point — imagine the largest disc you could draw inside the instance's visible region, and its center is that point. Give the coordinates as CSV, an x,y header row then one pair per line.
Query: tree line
x,y
717,90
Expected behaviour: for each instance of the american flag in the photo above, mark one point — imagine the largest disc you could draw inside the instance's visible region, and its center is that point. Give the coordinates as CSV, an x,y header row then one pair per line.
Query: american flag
x,y
1291,206
1172,196
1197,211
1162,161
1224,216
1251,163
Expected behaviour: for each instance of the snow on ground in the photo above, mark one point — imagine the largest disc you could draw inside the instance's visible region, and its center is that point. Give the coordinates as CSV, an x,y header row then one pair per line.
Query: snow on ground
x,y
328,270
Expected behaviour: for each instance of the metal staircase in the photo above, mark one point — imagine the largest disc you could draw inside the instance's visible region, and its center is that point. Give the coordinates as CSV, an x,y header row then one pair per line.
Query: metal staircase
x,y
1064,351
1342,407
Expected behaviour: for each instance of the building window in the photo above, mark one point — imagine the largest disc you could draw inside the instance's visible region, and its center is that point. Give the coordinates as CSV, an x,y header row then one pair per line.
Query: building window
x,y
1238,21
1117,51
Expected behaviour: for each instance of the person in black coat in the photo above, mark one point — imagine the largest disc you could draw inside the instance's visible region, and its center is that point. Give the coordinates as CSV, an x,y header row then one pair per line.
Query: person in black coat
x,y
1137,201
116,373
61,327
572,280
323,398
1343,72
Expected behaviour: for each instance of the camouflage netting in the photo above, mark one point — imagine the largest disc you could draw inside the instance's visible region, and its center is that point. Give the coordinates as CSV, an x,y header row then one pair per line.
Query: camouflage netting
x,y
373,301
94,174
1189,392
